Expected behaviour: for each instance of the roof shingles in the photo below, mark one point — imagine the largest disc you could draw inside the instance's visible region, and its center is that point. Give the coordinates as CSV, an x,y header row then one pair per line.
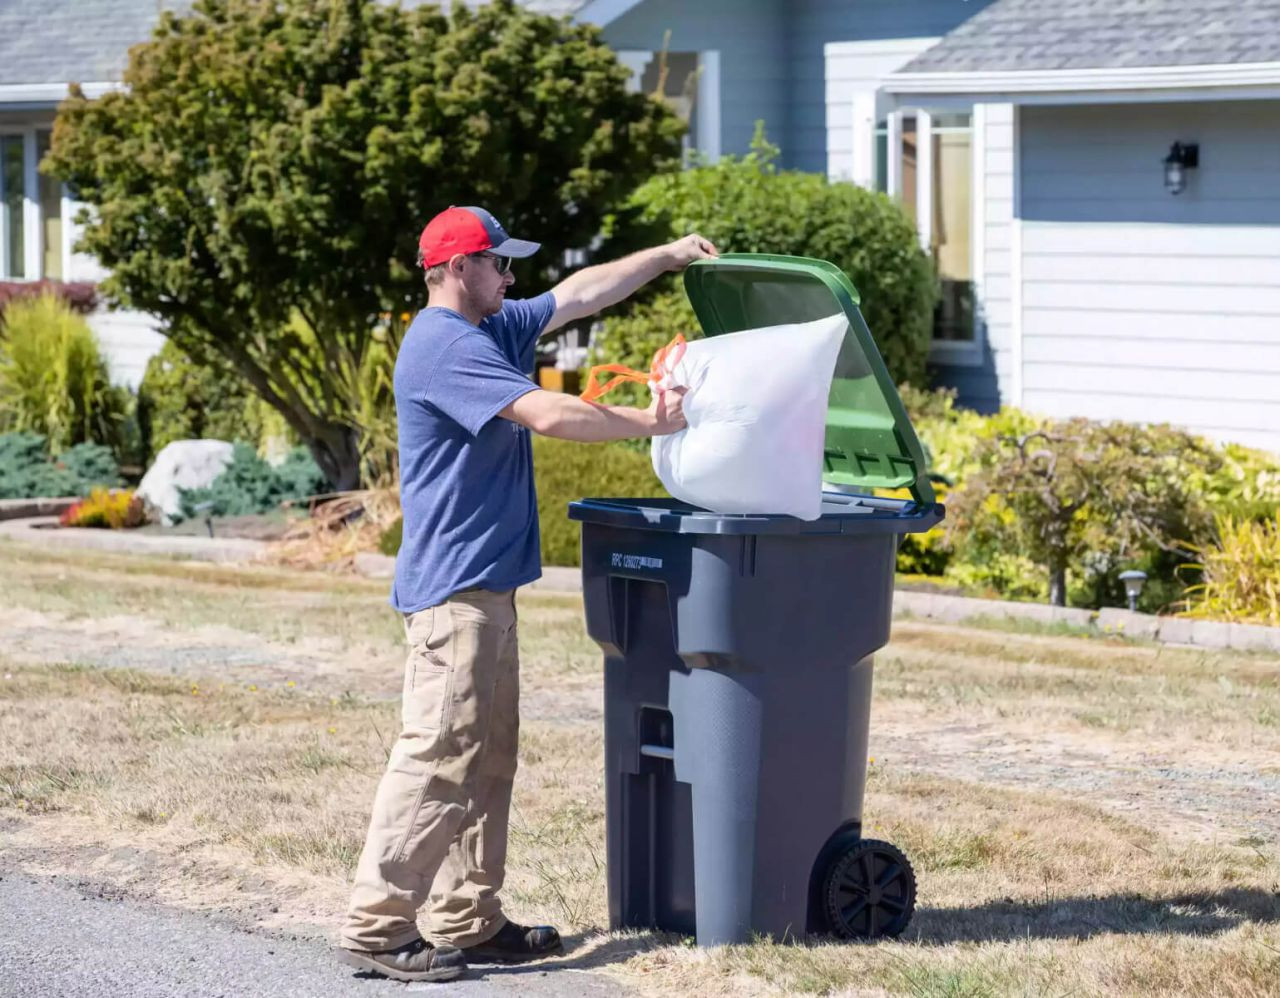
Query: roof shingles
x,y
1013,35
88,41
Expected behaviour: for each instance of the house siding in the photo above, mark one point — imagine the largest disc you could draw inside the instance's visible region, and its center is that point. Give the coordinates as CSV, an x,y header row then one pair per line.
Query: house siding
x,y
854,71
750,37
128,339
811,24
1141,305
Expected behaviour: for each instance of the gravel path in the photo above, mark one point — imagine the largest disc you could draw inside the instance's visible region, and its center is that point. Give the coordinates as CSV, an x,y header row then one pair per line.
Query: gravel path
x,y
74,941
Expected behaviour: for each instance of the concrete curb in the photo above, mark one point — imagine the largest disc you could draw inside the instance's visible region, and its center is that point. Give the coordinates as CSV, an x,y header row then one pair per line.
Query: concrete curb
x,y
959,609
37,531
26,509
1109,620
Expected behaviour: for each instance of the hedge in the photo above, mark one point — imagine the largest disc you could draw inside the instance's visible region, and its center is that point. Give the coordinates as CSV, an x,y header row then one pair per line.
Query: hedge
x,y
565,471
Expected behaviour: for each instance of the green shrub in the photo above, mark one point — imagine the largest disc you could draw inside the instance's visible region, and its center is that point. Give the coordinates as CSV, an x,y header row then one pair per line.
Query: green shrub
x,y
250,485
389,540
53,377
1082,500
27,471
184,398
565,471
746,205
1241,573
1246,486
926,554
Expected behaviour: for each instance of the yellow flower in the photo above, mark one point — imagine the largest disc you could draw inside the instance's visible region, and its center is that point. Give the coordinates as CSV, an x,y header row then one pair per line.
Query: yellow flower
x,y
253,689
333,731
404,316
290,683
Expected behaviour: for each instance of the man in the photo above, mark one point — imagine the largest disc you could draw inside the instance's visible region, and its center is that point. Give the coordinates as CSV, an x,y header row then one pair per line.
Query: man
x,y
465,406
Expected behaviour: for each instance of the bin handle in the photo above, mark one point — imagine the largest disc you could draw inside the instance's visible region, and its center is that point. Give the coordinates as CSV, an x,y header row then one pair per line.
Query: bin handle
x,y
658,752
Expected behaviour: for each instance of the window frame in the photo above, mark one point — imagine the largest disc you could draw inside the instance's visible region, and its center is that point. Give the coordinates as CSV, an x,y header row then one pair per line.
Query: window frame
x,y
946,353
32,216
968,352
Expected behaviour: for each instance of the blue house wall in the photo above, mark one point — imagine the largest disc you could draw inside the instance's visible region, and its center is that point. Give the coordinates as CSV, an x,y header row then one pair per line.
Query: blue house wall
x,y
811,24
772,63
751,38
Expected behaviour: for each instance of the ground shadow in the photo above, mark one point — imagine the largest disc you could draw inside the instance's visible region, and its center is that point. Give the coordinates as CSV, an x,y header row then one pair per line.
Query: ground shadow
x,y
1196,914
587,951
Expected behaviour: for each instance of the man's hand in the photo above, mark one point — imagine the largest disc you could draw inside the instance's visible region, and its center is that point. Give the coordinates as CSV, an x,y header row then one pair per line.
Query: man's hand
x,y
667,411
692,247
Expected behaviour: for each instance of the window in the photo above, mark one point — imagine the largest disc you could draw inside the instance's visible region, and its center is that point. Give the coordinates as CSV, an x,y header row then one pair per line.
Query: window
x,y
12,206
673,76
31,216
936,150
950,241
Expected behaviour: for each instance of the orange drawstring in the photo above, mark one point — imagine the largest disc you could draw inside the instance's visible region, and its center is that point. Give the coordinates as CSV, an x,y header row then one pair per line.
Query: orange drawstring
x,y
663,361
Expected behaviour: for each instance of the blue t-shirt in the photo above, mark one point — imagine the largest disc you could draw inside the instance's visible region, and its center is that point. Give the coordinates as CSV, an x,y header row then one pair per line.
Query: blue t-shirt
x,y
466,475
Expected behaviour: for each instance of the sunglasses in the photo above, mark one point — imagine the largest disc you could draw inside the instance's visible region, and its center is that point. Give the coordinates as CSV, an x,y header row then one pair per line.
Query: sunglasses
x,y
502,264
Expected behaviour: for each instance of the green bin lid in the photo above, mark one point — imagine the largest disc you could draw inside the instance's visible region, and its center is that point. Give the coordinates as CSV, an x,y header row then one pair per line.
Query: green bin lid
x,y
870,442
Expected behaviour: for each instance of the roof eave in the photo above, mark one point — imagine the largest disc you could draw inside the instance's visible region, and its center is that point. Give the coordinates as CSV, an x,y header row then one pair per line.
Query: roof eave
x,y
31,96
1220,79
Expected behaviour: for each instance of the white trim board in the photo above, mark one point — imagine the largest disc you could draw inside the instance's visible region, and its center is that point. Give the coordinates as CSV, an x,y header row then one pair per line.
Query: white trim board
x,y
33,229
1265,74
1015,264
707,108
50,93
637,61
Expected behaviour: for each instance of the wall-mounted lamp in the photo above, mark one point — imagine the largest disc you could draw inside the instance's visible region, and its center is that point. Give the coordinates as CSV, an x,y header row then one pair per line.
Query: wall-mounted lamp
x,y
1183,156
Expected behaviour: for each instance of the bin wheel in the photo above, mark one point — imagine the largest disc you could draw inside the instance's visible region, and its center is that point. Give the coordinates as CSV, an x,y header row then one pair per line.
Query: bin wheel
x,y
869,892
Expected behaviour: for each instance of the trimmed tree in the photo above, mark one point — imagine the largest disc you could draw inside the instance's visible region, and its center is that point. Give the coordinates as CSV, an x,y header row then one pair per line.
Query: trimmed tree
x,y
260,184
1075,494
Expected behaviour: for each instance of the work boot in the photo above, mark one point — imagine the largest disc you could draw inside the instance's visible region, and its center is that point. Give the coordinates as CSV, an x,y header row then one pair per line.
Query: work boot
x,y
516,944
415,961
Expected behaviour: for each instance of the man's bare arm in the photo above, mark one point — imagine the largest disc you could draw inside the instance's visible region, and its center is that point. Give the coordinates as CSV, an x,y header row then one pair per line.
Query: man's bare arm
x,y
594,288
554,414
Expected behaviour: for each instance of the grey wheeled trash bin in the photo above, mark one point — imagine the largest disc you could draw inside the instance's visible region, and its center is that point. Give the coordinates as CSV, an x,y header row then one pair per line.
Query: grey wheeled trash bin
x,y
738,661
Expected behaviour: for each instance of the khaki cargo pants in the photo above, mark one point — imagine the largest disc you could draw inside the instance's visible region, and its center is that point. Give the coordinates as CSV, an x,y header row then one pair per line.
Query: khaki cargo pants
x,y
439,825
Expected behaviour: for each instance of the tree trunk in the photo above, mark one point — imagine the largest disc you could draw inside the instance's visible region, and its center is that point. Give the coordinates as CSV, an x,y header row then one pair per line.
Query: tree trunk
x,y
336,450
1058,585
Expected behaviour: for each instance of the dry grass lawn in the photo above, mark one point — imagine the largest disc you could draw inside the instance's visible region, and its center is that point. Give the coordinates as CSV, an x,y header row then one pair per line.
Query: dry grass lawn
x,y
1085,816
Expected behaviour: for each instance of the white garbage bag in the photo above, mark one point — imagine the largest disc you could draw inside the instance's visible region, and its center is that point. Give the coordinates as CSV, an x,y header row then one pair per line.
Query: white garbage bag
x,y
756,406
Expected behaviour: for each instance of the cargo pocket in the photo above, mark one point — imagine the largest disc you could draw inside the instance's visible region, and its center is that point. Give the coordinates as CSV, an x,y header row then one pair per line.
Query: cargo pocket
x,y
428,676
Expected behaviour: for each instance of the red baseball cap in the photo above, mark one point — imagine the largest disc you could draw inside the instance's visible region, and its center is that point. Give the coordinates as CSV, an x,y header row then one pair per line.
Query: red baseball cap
x,y
468,230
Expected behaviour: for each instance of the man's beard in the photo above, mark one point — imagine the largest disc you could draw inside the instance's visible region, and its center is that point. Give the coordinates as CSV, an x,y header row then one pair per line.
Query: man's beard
x,y
487,306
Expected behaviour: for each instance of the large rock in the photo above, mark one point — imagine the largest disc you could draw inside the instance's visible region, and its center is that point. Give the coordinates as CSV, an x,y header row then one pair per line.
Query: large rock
x,y
183,464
